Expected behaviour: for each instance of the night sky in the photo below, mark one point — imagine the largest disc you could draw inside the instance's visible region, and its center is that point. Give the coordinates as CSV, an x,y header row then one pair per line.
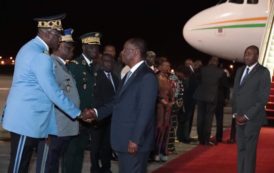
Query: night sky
x,y
159,23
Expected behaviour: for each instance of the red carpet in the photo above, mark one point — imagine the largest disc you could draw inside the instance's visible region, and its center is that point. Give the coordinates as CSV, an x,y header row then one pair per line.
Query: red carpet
x,y
222,158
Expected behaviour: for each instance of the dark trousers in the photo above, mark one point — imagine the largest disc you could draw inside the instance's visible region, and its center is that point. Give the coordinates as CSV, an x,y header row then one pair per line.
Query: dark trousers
x,y
101,149
21,151
50,152
133,164
183,127
219,115
232,137
247,139
74,155
189,108
204,120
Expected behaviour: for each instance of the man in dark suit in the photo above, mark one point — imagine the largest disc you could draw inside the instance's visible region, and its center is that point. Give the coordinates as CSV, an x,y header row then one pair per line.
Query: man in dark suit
x,y
190,85
83,70
105,89
133,110
222,97
250,95
206,96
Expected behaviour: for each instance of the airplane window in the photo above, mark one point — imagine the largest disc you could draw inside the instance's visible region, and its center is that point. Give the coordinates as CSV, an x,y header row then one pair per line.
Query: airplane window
x,y
237,1
252,1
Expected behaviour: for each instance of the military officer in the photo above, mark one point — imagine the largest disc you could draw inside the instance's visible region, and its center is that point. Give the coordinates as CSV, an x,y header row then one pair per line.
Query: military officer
x,y
83,69
29,112
53,149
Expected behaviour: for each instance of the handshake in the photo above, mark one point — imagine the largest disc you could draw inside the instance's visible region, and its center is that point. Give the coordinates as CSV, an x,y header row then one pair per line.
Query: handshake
x,y
87,115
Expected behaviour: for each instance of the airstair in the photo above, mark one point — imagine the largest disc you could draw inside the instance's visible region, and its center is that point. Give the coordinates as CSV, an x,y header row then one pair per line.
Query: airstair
x,y
267,59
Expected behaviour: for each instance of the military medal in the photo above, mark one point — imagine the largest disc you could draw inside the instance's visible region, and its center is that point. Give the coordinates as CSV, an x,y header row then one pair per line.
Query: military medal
x,y
68,85
84,80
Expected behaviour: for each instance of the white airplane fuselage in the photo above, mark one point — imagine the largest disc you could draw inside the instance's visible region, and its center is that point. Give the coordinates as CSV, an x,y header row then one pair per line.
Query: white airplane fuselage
x,y
225,30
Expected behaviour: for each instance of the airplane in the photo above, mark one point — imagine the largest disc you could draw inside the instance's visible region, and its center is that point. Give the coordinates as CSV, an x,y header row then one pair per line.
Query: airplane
x,y
226,29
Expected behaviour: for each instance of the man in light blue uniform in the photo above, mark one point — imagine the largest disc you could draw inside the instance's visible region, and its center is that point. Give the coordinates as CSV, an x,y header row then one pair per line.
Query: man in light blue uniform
x,y
49,152
29,113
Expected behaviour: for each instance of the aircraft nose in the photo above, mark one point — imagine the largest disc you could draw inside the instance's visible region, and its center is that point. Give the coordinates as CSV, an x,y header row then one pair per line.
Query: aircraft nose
x,y
191,34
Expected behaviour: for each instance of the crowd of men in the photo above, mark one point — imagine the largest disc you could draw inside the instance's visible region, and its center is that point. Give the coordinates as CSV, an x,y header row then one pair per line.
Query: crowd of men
x,y
134,106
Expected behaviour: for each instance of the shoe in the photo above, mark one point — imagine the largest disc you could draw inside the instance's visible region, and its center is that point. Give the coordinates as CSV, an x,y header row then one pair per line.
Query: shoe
x,y
185,141
230,141
114,156
157,158
105,171
219,140
192,139
211,144
215,142
164,158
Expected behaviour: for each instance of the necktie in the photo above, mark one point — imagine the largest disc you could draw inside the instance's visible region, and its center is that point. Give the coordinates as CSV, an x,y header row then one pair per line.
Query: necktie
x,y
128,76
244,76
110,78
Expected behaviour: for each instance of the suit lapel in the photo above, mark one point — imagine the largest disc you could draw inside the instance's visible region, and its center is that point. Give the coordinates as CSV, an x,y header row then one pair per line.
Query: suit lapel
x,y
115,80
108,80
131,79
238,80
89,68
253,71
61,64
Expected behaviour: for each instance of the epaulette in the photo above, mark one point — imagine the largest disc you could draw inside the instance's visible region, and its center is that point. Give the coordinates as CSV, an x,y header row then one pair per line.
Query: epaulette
x,y
74,61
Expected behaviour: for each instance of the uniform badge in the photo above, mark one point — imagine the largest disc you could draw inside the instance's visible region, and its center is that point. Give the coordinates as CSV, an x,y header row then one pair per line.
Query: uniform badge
x,y
85,83
75,62
68,86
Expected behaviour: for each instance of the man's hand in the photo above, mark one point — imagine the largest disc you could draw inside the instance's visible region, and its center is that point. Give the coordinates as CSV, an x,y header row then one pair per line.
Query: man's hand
x,y
88,115
241,119
132,148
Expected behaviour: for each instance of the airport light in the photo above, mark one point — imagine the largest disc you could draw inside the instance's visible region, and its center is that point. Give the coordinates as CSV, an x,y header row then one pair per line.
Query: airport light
x,y
2,62
11,58
0,57
13,61
231,66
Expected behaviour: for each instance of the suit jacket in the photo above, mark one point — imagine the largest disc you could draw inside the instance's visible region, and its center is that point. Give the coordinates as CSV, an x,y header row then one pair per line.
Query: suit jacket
x,y
251,96
34,91
133,111
66,126
104,92
210,79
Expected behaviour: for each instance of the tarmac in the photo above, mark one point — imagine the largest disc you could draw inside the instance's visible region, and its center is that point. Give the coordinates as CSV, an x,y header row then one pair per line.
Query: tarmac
x,y
181,148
